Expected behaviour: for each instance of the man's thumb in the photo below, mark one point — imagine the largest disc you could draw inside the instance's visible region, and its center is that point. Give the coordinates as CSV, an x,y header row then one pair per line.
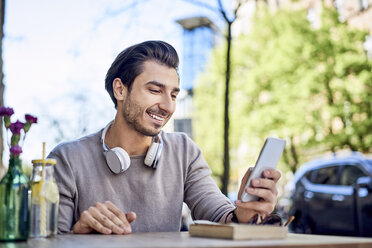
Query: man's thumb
x,y
131,216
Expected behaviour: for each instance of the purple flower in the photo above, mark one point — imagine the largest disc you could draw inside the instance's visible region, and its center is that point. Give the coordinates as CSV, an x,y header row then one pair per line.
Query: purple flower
x,y
4,111
15,150
31,119
16,127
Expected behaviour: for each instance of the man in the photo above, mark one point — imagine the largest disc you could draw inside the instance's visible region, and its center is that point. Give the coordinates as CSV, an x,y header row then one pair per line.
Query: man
x,y
104,181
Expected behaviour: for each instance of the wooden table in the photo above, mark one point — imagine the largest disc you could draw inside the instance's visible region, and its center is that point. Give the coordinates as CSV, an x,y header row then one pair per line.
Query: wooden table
x,y
176,239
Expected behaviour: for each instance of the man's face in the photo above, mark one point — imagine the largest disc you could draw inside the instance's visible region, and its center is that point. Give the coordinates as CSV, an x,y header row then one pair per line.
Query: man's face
x,y
152,99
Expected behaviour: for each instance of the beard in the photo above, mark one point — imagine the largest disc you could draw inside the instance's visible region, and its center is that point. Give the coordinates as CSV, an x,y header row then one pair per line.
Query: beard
x,y
132,113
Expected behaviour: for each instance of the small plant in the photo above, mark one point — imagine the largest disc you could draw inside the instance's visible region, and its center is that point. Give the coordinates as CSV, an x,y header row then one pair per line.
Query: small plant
x,y
17,129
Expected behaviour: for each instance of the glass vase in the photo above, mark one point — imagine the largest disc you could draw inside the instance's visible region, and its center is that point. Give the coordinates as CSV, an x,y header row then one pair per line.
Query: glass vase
x,y
14,208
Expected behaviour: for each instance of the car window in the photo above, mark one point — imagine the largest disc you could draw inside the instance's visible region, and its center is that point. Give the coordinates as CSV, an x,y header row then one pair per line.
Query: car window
x,y
310,175
350,174
327,175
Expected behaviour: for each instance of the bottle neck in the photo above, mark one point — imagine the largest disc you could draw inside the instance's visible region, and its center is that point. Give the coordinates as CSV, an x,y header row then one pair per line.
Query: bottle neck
x,y
15,166
37,173
48,172
15,162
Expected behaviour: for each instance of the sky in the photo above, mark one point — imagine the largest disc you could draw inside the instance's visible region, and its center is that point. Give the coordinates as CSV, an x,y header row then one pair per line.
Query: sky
x,y
56,55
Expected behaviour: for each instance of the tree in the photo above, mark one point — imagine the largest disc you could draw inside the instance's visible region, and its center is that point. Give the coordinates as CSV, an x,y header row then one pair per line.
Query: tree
x,y
2,18
229,20
309,85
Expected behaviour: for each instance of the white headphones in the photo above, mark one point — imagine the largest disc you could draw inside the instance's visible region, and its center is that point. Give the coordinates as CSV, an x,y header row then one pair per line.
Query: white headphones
x,y
118,160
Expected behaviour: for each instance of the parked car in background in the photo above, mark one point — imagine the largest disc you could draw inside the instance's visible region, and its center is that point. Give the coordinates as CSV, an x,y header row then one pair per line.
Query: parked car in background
x,y
333,196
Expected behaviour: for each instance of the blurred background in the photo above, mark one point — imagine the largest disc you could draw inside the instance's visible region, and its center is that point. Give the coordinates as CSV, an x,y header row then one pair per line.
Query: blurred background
x,y
298,70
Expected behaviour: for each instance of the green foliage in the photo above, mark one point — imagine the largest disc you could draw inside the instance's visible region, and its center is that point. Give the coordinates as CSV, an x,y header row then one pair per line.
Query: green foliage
x,y
209,101
312,86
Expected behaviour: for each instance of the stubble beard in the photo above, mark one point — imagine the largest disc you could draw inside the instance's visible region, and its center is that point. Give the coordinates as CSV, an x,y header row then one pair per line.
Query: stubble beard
x,y
132,113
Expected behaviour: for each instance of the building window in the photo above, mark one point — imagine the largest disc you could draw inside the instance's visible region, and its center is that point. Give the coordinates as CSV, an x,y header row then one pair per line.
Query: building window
x,y
368,46
183,125
198,41
197,45
311,16
339,4
364,4
278,3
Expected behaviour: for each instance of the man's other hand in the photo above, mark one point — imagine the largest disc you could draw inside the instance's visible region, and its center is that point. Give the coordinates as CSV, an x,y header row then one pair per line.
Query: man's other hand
x,y
265,189
104,218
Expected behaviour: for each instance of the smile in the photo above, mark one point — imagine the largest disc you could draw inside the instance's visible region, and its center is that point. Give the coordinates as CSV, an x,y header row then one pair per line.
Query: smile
x,y
156,117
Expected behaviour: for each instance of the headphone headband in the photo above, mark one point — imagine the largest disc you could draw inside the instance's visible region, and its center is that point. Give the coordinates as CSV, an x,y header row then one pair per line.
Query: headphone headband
x,y
118,160
104,131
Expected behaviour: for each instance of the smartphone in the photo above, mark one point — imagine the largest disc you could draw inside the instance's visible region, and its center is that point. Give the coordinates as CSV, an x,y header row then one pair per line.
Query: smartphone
x,y
268,159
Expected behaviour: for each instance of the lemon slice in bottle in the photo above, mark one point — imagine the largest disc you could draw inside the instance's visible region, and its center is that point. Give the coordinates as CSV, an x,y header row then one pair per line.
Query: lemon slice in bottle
x,y
35,192
49,190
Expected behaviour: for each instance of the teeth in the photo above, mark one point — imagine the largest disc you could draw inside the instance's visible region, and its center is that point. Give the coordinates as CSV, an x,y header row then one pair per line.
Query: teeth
x,y
156,117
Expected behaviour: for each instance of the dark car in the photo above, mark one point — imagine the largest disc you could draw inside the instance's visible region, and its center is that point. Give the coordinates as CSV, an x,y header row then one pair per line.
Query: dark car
x,y
333,197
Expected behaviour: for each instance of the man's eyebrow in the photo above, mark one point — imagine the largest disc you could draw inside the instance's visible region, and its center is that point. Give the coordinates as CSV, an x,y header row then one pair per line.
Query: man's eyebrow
x,y
160,85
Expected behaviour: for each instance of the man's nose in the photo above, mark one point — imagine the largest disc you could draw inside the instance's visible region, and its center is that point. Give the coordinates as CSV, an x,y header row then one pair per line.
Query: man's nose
x,y
167,104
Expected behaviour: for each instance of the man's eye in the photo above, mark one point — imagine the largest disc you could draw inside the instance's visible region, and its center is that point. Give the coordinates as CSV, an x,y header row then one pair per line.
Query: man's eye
x,y
154,91
174,96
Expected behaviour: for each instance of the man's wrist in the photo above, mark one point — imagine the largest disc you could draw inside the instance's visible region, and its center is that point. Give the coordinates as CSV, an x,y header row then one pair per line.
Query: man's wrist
x,y
231,217
234,218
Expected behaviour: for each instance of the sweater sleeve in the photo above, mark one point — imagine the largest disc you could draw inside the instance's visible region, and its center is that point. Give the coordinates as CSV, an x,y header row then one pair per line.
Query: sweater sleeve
x,y
202,195
67,191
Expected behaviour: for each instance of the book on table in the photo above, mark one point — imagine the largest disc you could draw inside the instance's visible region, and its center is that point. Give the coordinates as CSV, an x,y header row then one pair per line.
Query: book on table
x,y
236,231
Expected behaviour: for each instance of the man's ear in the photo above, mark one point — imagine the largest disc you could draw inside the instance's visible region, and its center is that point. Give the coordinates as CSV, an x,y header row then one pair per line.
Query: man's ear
x,y
119,89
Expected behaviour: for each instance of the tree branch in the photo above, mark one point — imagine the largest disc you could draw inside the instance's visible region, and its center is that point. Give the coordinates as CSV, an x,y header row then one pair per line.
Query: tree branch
x,y
237,9
223,12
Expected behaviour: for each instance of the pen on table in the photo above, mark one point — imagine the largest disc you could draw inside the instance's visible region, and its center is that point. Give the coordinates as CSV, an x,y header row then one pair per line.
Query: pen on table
x,y
289,220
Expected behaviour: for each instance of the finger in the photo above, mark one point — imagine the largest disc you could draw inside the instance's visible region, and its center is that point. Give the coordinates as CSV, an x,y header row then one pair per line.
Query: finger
x,y
265,184
245,215
262,207
244,181
104,220
120,214
87,218
82,228
272,174
265,194
115,224
131,216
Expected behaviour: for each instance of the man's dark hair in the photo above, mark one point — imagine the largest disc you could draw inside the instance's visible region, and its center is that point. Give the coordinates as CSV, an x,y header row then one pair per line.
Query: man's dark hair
x,y
129,63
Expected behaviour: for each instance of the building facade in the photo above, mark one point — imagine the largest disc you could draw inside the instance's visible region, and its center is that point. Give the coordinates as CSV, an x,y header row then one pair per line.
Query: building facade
x,y
198,41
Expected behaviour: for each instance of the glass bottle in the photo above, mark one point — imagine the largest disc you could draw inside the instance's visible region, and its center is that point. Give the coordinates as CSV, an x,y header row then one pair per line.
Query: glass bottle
x,y
44,199
14,209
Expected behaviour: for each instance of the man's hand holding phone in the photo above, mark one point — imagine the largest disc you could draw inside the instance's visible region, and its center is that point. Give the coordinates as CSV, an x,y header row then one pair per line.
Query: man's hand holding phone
x,y
264,188
258,192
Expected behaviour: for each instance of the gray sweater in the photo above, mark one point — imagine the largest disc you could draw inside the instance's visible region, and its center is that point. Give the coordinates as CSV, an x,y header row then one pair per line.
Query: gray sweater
x,y
155,195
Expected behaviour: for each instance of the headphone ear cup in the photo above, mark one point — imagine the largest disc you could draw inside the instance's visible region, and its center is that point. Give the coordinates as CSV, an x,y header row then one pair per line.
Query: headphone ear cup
x,y
117,160
151,154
